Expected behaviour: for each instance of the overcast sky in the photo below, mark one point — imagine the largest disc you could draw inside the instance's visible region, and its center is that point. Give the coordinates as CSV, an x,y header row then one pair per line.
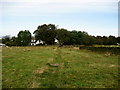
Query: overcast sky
x,y
97,17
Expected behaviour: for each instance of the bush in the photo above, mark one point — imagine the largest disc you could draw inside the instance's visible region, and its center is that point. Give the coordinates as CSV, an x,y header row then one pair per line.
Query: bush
x,y
113,50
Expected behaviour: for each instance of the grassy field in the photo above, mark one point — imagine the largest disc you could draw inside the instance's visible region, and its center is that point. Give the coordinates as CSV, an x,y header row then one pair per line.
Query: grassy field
x,y
53,67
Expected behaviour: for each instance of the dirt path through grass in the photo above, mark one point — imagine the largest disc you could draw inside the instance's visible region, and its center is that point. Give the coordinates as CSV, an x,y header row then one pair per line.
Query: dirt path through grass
x,y
49,70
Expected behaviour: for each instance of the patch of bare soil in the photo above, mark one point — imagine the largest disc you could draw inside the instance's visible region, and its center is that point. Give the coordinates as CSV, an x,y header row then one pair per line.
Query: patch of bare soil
x,y
107,54
41,70
55,48
76,48
34,83
114,65
53,65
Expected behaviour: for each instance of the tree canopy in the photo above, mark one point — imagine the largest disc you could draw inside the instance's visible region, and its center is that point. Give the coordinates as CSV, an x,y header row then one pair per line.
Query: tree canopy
x,y
48,33
24,38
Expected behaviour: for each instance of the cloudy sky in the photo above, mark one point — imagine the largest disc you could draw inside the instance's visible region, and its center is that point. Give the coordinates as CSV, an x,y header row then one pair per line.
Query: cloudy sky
x,y
97,17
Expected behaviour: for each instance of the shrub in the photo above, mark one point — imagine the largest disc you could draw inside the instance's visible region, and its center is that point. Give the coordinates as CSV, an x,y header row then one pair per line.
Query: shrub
x,y
113,50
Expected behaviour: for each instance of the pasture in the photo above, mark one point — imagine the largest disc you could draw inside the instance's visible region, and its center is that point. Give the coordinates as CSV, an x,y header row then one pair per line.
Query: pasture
x,y
58,67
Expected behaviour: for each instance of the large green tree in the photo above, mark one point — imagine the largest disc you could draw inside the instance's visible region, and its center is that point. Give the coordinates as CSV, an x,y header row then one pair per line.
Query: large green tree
x,y
74,39
46,33
63,36
24,38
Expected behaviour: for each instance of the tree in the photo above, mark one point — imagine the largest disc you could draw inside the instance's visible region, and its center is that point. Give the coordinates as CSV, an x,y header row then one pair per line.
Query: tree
x,y
83,38
112,40
24,38
99,40
90,40
74,39
63,36
13,41
51,34
5,39
118,40
46,33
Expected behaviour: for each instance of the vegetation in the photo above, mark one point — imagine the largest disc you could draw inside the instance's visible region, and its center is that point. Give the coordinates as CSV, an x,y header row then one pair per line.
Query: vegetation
x,y
102,49
49,33
24,38
58,67
73,65
46,33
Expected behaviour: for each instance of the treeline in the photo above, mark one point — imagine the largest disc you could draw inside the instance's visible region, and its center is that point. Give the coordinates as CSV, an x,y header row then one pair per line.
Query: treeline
x,y
48,34
23,39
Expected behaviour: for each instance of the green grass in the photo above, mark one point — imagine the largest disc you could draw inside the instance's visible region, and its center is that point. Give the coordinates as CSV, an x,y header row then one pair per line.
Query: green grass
x,y
27,67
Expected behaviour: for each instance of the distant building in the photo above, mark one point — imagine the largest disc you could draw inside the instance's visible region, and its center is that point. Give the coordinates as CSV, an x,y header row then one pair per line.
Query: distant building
x,y
40,42
34,42
56,41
